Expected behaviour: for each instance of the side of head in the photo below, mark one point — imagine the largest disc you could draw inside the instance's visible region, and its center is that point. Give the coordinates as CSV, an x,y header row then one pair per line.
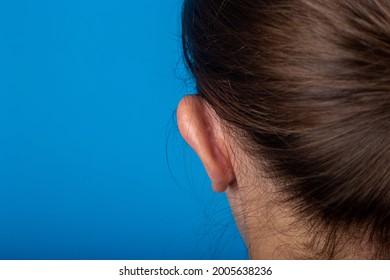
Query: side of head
x,y
298,92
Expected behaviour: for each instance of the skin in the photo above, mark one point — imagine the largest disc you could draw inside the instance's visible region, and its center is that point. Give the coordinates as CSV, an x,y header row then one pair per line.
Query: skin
x,y
263,223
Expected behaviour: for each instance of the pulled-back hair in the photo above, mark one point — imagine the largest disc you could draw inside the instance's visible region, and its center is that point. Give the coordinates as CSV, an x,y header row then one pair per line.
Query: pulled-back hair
x,y
306,86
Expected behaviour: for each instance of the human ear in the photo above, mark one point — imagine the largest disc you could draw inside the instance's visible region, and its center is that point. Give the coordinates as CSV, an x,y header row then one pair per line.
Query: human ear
x,y
202,131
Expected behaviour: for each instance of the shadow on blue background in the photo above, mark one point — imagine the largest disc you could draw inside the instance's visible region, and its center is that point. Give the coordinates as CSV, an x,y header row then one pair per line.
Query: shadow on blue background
x,y
91,163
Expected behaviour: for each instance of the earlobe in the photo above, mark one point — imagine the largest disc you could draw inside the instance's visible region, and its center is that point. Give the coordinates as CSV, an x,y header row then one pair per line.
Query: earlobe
x,y
203,133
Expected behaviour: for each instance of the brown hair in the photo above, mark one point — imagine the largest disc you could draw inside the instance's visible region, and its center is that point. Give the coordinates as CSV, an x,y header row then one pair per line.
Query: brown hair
x,y
307,85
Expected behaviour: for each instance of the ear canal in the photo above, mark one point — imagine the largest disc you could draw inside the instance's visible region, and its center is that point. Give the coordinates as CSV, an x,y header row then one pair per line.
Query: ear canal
x,y
198,128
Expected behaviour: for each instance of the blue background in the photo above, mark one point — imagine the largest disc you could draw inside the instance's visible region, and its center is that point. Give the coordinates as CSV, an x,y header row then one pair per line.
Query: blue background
x,y
91,163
